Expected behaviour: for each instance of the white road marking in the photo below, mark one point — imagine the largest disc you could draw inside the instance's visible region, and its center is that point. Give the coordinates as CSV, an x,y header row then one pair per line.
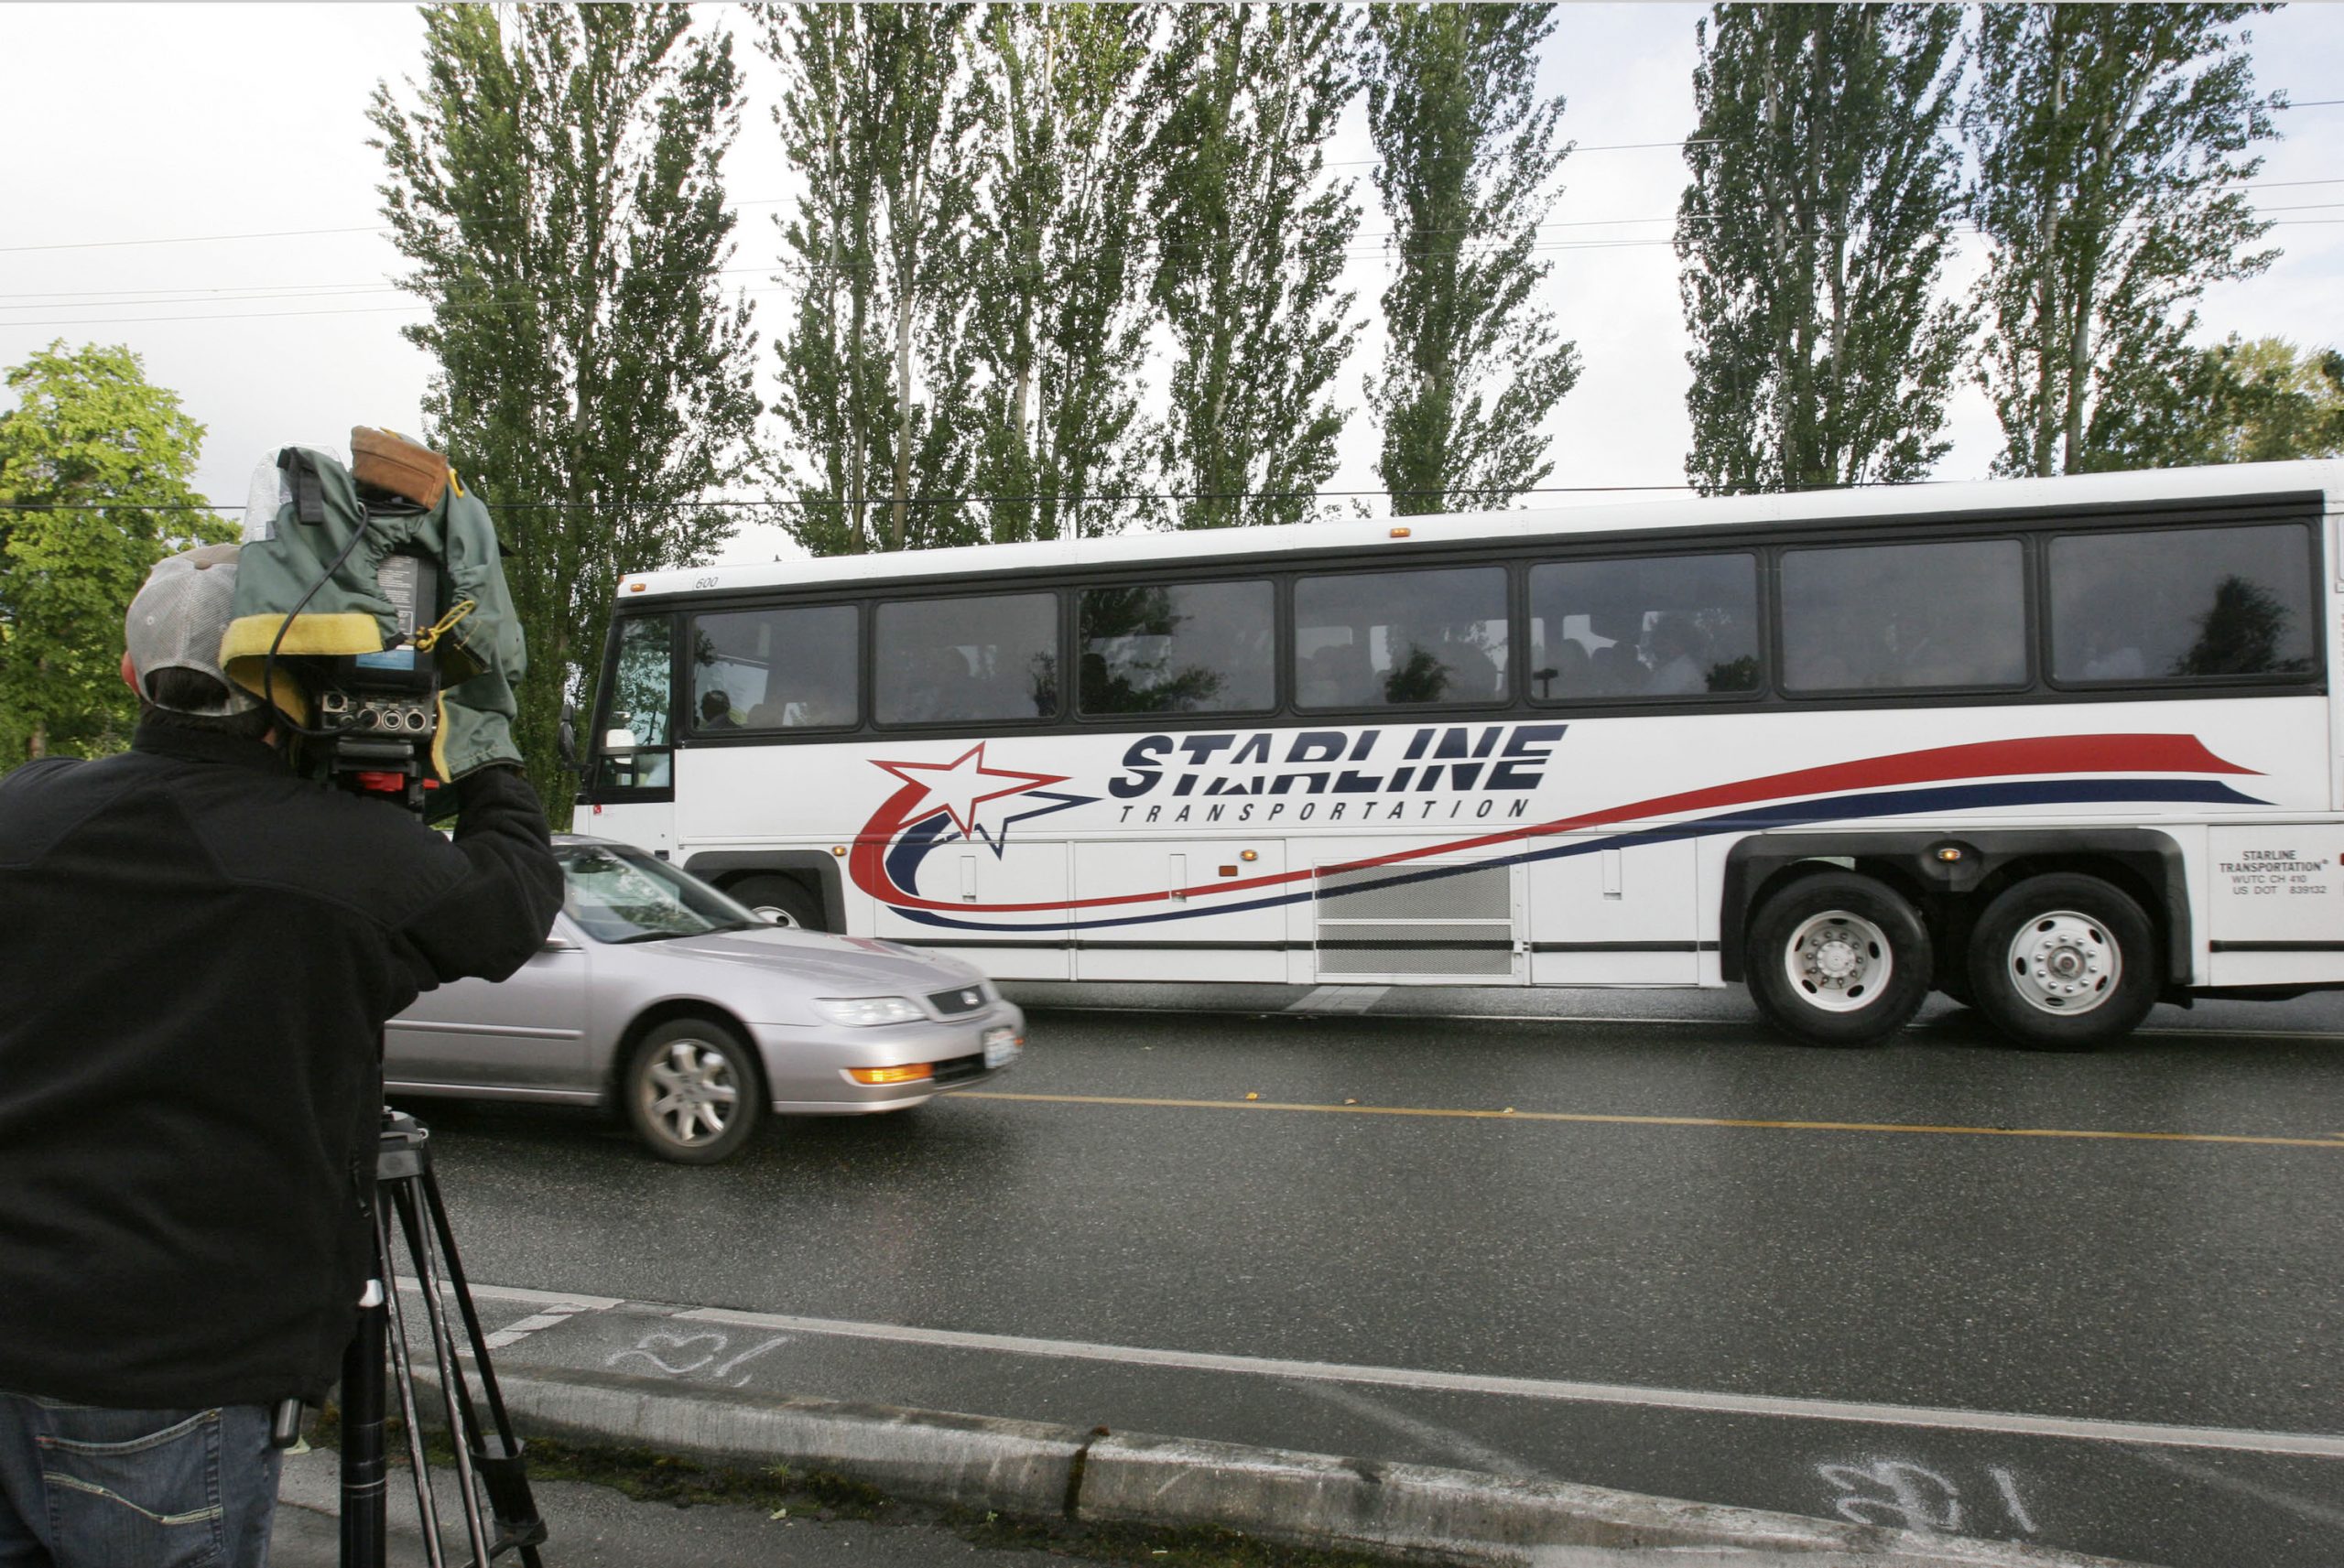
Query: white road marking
x,y
570,1299
2255,1489
2304,1444
1454,1442
1340,998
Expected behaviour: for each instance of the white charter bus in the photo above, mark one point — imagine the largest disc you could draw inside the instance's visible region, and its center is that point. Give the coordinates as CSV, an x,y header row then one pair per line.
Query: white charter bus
x,y
2059,748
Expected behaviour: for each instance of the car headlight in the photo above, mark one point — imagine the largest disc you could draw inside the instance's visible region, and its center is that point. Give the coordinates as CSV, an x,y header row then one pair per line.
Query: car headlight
x,y
862,1012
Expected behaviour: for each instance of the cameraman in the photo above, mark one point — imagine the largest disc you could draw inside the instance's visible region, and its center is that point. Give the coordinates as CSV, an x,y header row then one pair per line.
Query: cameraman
x,y
199,952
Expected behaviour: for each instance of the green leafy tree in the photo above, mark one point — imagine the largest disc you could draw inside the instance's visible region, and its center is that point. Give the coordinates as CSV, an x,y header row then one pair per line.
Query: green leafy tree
x,y
1467,152
1250,235
556,184
1813,235
2241,402
878,115
94,465
2110,142
1060,321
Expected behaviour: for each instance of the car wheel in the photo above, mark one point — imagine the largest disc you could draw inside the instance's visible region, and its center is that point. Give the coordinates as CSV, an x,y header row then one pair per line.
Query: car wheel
x,y
1839,960
693,1092
782,900
2063,962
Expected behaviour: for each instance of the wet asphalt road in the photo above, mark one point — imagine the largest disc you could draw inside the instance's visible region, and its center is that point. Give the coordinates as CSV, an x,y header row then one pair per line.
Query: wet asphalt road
x,y
1598,1222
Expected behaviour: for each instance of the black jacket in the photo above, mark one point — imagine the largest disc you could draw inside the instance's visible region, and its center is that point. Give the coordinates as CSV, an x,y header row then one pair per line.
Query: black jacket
x,y
197,951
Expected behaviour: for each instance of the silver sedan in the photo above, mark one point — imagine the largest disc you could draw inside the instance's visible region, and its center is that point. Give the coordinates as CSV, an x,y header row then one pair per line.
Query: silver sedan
x,y
659,995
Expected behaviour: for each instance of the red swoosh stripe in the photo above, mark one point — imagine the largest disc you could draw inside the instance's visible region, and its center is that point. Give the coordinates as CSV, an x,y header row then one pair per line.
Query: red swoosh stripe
x,y
1980,759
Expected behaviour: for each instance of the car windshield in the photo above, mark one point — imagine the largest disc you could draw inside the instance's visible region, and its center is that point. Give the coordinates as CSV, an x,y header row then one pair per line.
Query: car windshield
x,y
624,895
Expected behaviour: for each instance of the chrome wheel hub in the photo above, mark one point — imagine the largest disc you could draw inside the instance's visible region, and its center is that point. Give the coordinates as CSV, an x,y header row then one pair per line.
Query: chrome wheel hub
x,y
691,1092
2065,963
1839,961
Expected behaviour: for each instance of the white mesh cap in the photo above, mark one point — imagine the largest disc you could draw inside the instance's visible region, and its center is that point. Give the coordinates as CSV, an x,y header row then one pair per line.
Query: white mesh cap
x,y
180,618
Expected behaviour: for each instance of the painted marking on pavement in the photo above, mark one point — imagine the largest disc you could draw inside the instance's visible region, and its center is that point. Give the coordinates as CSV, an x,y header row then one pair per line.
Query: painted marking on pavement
x,y
1680,1019
2304,1444
1603,1118
1340,998
575,1301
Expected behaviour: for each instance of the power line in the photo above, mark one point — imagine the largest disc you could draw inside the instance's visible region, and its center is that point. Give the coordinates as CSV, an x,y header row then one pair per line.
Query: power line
x,y
743,503
420,306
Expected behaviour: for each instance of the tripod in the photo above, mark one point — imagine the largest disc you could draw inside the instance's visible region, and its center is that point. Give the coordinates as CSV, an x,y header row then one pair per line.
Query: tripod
x,y
485,1460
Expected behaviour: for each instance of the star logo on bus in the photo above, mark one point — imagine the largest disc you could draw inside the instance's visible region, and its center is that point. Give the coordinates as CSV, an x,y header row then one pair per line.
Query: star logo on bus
x,y
964,786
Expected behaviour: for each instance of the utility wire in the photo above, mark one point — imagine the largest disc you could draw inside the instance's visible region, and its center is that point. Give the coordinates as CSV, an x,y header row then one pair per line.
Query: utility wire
x,y
244,293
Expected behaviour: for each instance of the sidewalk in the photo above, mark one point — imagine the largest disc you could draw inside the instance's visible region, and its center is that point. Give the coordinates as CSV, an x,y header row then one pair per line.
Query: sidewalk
x,y
558,1368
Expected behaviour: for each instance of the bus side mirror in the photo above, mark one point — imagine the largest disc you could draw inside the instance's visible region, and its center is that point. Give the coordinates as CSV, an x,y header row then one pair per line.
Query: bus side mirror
x,y
565,739
618,739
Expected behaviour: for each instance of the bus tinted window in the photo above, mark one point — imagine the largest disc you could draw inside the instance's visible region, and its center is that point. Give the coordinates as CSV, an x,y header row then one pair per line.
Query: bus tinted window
x,y
967,660
1666,626
1890,616
2178,604
774,669
1200,647
634,747
1383,639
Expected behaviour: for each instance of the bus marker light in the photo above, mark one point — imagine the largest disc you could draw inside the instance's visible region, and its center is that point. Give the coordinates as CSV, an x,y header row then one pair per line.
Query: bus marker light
x,y
912,1073
1247,855
637,587
1951,852
1400,532
839,850
1228,870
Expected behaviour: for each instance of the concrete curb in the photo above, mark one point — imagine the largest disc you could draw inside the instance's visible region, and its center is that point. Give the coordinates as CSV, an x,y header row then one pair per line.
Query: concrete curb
x,y
1041,1470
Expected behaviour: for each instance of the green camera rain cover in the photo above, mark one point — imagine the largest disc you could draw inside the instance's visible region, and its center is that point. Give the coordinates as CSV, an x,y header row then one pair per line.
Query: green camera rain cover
x,y
479,648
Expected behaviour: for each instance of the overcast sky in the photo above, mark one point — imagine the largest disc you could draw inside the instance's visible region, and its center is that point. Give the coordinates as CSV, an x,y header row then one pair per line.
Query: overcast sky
x,y
136,134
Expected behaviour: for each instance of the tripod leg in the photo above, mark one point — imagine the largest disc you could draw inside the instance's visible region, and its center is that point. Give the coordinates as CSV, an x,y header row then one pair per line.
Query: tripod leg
x,y
364,1525
462,1424
499,1458
426,1507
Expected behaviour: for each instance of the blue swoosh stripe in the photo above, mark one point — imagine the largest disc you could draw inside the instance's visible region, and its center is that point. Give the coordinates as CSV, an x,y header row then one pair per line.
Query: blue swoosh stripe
x,y
1833,808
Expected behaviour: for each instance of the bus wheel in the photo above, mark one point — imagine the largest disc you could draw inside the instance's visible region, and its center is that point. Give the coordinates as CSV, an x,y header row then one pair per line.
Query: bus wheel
x,y
1839,960
2063,962
782,900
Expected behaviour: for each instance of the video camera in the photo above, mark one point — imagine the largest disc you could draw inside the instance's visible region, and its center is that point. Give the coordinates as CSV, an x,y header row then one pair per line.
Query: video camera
x,y
364,592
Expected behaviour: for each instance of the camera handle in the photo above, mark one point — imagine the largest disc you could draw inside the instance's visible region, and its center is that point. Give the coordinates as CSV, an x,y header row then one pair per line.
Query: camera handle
x,y
488,1460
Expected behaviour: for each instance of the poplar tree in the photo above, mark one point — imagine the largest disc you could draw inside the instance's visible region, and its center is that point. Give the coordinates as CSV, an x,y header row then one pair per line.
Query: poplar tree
x,y
1251,236
1467,152
878,116
1061,264
556,185
2109,140
1813,236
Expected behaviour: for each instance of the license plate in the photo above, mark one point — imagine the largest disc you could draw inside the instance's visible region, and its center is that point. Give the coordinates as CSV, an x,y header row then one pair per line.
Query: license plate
x,y
1001,1047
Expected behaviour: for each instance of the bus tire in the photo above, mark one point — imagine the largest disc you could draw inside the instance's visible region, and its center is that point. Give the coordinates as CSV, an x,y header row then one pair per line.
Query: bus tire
x,y
1839,960
2063,962
782,899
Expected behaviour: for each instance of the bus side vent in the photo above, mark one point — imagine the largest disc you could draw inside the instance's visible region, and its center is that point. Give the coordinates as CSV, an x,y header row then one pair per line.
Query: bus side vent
x,y
1417,919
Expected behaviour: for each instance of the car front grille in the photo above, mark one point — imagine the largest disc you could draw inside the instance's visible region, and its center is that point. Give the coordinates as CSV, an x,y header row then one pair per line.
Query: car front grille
x,y
966,998
960,1069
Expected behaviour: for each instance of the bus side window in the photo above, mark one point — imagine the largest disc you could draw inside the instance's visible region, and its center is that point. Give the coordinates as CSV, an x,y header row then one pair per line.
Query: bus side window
x,y
776,669
1908,616
633,749
966,660
1663,626
2180,604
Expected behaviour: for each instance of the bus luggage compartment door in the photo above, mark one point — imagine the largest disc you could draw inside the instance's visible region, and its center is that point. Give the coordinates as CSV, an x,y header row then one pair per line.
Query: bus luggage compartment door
x,y
1002,909
1445,921
1167,916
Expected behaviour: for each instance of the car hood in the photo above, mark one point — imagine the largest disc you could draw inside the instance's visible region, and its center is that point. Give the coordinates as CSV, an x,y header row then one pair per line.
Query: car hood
x,y
827,965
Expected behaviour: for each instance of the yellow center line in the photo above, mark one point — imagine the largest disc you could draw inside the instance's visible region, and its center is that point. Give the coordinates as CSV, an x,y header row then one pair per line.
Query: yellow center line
x,y
2333,1142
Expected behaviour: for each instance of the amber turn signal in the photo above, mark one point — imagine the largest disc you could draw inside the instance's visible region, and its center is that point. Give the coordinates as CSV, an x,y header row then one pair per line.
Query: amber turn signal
x,y
909,1073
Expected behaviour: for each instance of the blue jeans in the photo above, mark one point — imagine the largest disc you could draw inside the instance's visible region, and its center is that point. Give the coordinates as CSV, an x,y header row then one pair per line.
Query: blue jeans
x,y
86,1488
